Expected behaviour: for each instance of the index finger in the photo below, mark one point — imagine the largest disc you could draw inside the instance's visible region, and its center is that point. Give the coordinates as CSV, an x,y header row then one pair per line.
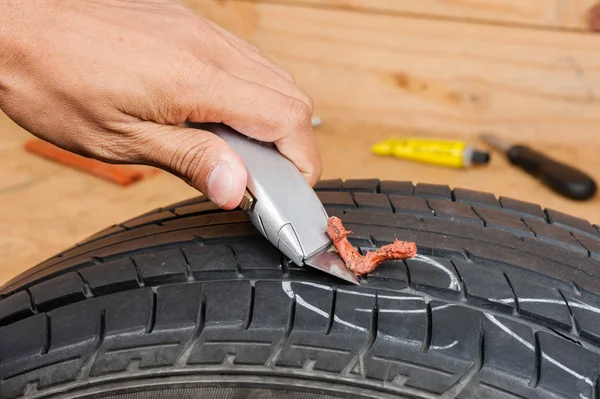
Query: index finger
x,y
258,112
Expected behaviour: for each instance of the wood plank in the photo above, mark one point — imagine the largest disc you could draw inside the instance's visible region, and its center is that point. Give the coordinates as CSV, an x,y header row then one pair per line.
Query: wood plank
x,y
436,76
531,12
45,207
558,14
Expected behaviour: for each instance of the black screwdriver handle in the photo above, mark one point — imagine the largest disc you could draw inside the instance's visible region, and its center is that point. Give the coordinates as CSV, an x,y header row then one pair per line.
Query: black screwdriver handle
x,y
559,177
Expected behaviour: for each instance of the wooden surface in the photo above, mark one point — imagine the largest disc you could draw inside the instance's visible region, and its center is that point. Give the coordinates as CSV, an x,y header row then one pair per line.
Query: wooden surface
x,y
561,14
448,77
372,76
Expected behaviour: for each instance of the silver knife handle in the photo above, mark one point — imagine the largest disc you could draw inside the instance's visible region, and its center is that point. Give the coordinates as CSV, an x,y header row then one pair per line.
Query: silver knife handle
x,y
285,209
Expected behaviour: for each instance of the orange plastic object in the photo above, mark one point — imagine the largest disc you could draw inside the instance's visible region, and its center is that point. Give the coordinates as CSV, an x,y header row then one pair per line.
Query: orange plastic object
x,y
122,175
358,263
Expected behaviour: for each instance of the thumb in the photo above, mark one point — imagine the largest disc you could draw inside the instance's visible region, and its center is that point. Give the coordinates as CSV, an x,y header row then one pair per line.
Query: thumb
x,y
202,159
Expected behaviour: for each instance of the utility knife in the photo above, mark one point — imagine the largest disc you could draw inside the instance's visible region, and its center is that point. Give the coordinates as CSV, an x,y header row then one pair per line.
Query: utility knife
x,y
282,205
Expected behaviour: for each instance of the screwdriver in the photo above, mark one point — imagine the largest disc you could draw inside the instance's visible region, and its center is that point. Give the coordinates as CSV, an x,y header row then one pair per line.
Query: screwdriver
x,y
562,179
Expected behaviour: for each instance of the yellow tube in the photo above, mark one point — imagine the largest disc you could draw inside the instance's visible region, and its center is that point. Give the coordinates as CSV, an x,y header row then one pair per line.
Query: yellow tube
x,y
450,153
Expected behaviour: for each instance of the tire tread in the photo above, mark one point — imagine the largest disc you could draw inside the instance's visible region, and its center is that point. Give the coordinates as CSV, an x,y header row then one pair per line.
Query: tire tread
x,y
150,295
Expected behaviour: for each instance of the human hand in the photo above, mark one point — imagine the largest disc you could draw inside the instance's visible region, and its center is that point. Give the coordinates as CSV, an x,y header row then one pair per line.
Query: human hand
x,y
116,79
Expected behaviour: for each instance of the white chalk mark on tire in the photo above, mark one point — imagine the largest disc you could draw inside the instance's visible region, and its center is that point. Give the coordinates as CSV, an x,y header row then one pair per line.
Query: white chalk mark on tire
x,y
392,297
355,293
321,286
407,311
441,348
530,346
287,288
454,283
401,298
577,304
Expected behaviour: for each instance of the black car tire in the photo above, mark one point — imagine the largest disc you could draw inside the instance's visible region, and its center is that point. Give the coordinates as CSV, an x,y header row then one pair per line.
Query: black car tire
x,y
189,301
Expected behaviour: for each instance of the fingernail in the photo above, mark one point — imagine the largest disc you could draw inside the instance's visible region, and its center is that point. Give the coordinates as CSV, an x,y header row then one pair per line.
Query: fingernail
x,y
219,184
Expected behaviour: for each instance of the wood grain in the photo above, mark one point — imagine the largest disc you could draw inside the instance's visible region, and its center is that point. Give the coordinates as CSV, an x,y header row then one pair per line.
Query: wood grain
x,y
437,76
46,207
553,14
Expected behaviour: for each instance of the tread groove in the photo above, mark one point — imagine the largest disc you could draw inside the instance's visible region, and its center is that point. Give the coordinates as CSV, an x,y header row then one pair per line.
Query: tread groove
x,y
479,216
366,346
238,266
187,349
537,370
562,335
407,271
472,372
270,363
320,348
387,196
138,273
188,268
265,343
97,260
575,329
37,368
547,216
87,290
433,212
145,347
516,308
469,256
250,306
285,269
463,284
331,312
522,219
48,334
428,330
152,320
32,306
589,253
100,333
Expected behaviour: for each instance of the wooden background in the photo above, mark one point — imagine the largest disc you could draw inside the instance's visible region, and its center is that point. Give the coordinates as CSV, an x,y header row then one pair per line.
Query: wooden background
x,y
526,70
